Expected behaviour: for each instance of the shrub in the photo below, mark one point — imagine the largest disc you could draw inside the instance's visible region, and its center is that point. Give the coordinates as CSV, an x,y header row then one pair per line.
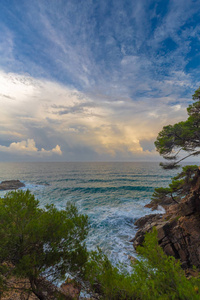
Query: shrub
x,y
154,276
41,242
179,187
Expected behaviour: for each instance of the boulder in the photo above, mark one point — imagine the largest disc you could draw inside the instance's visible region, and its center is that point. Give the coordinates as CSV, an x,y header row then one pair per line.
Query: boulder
x,y
11,185
71,288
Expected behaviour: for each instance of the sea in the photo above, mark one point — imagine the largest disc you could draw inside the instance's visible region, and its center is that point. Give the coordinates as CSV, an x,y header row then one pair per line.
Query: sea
x,y
112,194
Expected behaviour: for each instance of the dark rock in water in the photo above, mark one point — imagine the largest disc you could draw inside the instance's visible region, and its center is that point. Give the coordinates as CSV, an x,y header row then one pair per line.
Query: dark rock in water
x,y
11,185
147,219
178,229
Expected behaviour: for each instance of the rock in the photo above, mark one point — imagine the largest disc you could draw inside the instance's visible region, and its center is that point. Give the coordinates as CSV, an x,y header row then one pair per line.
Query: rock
x,y
166,202
20,288
178,229
11,185
132,259
71,288
145,224
147,219
151,205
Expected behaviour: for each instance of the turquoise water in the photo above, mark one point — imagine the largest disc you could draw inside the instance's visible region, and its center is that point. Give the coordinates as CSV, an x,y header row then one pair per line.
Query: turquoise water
x,y
112,194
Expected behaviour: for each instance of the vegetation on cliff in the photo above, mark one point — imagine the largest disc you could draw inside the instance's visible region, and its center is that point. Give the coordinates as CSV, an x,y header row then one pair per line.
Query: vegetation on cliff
x,y
46,243
179,227
179,187
182,136
154,276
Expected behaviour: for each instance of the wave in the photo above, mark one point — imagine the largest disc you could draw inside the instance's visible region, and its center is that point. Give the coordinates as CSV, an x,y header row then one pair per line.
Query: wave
x,y
66,179
108,189
34,186
110,180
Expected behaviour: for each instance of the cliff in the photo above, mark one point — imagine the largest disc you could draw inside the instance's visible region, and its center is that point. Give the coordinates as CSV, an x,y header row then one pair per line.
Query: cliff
x,y
179,228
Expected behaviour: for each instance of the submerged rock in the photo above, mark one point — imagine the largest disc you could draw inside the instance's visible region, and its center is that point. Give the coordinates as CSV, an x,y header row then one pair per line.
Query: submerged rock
x,y
11,185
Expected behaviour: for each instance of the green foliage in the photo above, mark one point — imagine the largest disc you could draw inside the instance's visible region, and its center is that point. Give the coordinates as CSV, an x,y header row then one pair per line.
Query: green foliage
x,y
182,136
196,95
159,276
41,242
179,187
49,242
154,276
106,280
3,271
160,195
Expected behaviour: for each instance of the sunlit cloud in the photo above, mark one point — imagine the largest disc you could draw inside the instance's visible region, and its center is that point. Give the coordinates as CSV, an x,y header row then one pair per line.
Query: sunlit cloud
x,y
29,148
97,79
47,113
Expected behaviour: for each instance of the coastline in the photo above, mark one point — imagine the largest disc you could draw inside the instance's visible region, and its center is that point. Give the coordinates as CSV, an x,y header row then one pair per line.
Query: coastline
x,y
178,228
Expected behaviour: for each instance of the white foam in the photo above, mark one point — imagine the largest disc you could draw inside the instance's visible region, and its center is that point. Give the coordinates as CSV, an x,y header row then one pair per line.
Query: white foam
x,y
160,210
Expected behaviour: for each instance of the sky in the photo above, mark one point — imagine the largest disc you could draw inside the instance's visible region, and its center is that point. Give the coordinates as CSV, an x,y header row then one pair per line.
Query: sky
x,y
94,80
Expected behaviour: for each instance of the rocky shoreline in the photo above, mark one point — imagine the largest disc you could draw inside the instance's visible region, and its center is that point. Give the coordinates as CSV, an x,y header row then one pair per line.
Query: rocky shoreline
x,y
178,229
178,234
19,288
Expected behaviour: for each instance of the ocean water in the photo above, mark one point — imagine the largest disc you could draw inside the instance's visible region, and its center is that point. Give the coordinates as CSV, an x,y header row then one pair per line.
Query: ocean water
x,y
113,195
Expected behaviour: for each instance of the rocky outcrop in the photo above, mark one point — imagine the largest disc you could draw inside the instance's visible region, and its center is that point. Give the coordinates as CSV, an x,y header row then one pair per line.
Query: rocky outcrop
x,y
165,204
178,229
20,288
11,185
145,224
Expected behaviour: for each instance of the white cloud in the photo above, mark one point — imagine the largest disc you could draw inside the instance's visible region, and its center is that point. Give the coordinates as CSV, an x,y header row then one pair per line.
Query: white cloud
x,y
53,114
29,148
55,150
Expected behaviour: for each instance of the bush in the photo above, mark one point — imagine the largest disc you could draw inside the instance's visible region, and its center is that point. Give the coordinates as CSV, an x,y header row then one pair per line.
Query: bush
x,y
158,276
179,187
46,243
154,276
41,242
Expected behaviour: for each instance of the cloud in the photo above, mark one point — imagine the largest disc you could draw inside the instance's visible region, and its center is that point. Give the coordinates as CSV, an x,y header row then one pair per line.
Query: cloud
x,y
29,148
106,126
55,150
110,47
9,134
6,46
97,79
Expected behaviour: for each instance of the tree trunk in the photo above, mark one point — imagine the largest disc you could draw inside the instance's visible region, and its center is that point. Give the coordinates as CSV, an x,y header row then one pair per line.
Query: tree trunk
x,y
36,289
